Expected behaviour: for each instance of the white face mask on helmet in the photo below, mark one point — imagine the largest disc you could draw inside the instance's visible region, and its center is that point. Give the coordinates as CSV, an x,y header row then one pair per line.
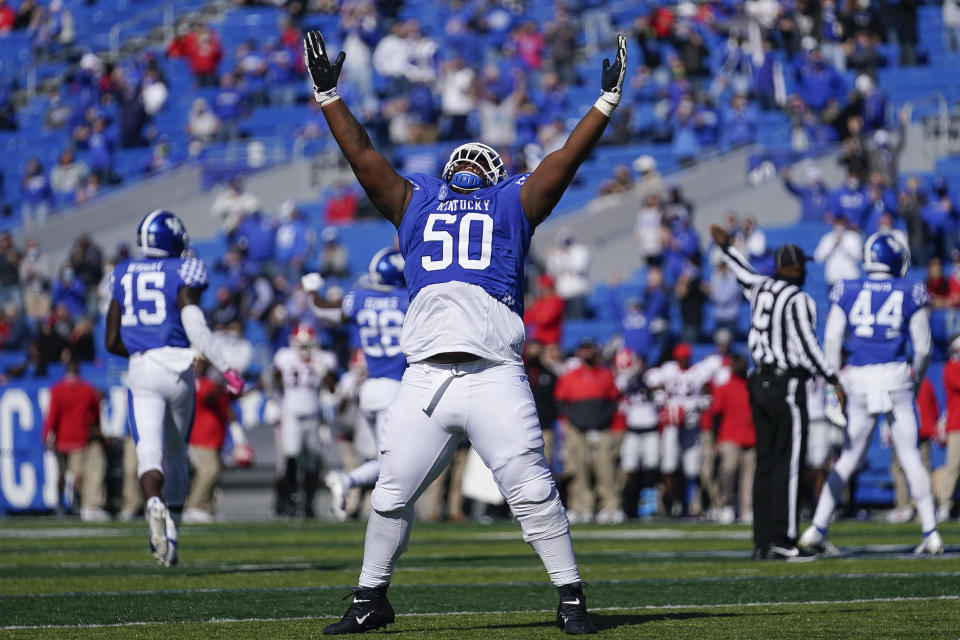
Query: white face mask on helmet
x,y
480,156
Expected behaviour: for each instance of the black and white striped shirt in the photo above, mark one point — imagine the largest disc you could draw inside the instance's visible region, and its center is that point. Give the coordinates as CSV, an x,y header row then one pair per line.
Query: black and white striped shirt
x,y
782,321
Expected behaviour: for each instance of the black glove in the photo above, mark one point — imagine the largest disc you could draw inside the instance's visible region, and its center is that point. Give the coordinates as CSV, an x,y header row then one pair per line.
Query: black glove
x,y
323,74
611,81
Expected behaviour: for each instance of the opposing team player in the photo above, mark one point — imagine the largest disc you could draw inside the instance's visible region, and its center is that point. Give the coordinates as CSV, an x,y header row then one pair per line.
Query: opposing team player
x,y
376,305
154,319
464,238
879,314
304,374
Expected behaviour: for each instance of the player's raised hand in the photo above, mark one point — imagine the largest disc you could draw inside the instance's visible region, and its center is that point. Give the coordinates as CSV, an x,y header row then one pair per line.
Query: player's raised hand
x,y
611,80
311,282
322,72
720,236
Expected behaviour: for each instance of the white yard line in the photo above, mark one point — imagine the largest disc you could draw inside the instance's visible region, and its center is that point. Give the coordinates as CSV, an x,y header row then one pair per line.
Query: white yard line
x,y
490,613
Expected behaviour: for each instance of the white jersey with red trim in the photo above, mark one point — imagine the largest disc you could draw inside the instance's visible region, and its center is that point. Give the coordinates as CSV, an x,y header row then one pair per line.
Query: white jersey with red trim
x,y
303,378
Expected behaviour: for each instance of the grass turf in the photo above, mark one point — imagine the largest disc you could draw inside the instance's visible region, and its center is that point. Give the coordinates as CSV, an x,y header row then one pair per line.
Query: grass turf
x,y
60,579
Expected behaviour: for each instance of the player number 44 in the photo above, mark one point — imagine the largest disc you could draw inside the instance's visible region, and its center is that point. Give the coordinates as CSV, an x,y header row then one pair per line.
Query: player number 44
x,y
464,250
889,315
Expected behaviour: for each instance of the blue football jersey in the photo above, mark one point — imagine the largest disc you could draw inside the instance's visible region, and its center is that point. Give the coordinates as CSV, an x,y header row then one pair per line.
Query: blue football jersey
x,y
878,315
378,314
146,291
480,238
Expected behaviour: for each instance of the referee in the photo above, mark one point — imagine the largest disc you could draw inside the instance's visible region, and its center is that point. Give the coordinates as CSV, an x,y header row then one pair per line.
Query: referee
x,y
785,352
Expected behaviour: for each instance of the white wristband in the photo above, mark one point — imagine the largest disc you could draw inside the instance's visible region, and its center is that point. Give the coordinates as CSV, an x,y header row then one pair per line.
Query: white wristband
x,y
604,107
324,97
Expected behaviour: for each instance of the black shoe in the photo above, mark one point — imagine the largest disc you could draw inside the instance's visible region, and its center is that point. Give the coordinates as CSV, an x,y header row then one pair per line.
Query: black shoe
x,y
370,610
572,614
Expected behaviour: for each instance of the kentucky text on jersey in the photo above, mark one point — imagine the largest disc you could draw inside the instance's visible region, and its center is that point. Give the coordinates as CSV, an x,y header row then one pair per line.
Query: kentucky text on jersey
x,y
464,205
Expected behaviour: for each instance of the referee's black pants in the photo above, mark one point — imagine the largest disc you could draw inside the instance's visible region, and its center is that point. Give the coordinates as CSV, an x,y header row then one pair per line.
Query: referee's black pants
x,y
779,404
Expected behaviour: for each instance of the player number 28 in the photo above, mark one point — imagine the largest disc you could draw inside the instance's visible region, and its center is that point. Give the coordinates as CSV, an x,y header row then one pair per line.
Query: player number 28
x,y
445,238
149,291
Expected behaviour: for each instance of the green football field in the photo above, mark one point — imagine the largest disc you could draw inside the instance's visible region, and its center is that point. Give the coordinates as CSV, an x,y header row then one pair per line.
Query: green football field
x,y
61,579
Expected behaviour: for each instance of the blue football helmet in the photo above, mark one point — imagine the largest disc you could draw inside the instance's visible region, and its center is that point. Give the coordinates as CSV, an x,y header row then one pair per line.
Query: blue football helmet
x,y
482,157
161,234
386,269
884,253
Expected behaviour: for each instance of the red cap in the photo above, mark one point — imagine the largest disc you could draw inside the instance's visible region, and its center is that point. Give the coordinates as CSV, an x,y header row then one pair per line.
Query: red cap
x,y
682,351
546,280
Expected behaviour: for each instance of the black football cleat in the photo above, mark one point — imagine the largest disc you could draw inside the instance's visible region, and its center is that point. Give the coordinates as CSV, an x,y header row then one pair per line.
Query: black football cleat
x,y
572,614
369,610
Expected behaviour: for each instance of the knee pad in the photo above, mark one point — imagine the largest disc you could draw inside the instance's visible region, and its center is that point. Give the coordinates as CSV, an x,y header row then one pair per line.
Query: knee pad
x,y
529,488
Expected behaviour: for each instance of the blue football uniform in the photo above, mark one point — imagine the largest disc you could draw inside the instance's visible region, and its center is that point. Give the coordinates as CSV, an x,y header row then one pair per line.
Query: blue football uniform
x,y
146,291
878,313
463,265
378,314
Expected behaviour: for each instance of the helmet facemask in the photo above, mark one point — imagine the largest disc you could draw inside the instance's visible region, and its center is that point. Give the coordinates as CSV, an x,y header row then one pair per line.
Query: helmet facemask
x,y
480,156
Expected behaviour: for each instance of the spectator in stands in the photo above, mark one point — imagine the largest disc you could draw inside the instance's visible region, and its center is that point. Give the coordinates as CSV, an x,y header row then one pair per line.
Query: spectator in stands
x,y
649,180
750,239
80,341
863,56
9,271
912,200
656,302
849,201
948,431
160,159
225,309
201,47
726,296
256,236
7,18
739,123
57,113
940,219
621,181
72,430
89,188
210,419
295,242
391,57
457,99
230,106
938,286
690,294
203,124
334,258
67,175
646,231
543,366
736,442
951,24
233,205
587,399
883,155
36,197
813,195
560,35
14,333
153,92
544,318
342,205
101,148
68,292
86,258
840,250
819,84
26,13
569,263
35,282
131,114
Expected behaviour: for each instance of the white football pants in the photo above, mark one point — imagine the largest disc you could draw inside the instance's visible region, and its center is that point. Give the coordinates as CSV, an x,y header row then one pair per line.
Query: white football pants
x,y
680,447
375,397
160,410
640,450
898,408
491,404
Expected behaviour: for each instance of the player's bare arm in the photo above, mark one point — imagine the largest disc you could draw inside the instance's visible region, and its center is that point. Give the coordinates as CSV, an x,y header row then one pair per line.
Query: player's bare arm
x,y
542,190
112,338
387,190
322,308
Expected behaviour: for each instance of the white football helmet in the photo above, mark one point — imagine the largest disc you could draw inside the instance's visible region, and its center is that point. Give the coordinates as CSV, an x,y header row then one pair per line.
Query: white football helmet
x,y
482,157
303,340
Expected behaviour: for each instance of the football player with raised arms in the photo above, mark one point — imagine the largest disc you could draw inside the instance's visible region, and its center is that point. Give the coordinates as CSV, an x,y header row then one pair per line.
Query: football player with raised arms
x,y
464,237
376,305
155,320
879,314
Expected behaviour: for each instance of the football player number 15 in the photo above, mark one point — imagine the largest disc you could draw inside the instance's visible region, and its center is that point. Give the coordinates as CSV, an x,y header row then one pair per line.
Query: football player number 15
x,y
464,250
143,299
